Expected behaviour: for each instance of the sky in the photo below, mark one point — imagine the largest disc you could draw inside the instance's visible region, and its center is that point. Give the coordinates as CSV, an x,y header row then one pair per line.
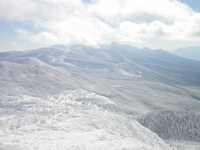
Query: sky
x,y
157,24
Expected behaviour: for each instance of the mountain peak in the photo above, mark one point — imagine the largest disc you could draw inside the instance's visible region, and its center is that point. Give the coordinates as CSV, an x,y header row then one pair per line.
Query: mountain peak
x,y
114,43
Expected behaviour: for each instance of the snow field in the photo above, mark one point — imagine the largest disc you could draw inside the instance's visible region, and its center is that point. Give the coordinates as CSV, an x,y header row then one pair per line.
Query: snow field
x,y
71,120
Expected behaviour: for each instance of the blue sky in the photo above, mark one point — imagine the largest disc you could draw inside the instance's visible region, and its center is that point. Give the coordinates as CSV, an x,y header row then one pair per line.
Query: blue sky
x,y
157,24
194,4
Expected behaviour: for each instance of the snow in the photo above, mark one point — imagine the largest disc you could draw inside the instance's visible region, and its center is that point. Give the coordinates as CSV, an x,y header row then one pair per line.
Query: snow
x,y
185,145
174,125
104,99
123,72
105,55
71,120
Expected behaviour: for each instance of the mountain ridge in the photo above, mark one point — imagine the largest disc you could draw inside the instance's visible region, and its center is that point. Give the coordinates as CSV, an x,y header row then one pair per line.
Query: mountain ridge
x,y
110,94
191,52
157,60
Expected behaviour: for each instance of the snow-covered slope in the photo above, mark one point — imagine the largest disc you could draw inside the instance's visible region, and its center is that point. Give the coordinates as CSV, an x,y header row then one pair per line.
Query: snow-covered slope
x,y
176,125
71,120
32,78
115,97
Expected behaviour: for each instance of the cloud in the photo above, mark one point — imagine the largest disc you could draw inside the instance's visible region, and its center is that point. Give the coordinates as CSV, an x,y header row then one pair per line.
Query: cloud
x,y
193,28
46,37
22,33
101,21
20,10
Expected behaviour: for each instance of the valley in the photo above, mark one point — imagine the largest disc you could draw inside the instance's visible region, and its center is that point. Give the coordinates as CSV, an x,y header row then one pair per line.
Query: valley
x,y
112,97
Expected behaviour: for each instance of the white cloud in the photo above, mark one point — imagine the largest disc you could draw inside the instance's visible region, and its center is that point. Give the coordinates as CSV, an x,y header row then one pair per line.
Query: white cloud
x,y
118,10
22,33
19,10
102,21
193,28
46,37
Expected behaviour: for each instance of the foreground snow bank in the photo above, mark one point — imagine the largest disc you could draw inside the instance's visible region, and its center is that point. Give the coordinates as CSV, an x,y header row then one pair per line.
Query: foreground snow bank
x,y
71,120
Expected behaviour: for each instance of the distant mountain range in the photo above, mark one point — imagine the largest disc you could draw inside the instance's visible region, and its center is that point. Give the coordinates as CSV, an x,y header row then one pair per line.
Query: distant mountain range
x,y
152,65
111,97
192,52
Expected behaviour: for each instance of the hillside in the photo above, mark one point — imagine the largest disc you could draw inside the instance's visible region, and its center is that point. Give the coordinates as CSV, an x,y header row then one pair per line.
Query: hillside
x,y
116,96
192,52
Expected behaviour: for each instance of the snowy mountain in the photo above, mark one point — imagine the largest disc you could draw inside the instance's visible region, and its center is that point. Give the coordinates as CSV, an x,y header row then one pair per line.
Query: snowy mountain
x,y
113,97
192,52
